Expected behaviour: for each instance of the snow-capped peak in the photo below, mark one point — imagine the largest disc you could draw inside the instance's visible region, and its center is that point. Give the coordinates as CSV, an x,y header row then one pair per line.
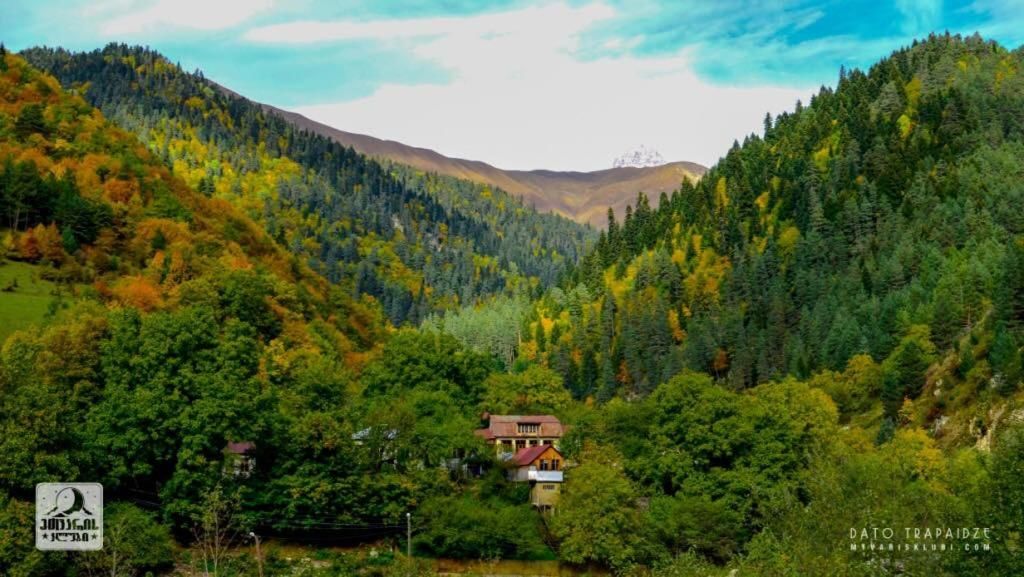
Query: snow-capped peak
x,y
639,157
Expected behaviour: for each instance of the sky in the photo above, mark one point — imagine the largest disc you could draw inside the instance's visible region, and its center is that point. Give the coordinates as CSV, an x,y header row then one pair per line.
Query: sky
x,y
566,85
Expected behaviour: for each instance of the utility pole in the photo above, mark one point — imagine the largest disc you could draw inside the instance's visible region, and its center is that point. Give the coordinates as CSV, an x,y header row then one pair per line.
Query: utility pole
x,y
408,535
259,556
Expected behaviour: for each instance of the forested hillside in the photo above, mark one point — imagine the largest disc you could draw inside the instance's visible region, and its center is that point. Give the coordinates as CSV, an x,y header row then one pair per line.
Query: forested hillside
x,y
178,326
822,335
856,268
88,204
415,242
881,223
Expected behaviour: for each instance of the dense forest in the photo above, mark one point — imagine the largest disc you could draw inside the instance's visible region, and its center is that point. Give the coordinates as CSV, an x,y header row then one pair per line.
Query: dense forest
x,y
414,242
822,334
868,244
881,221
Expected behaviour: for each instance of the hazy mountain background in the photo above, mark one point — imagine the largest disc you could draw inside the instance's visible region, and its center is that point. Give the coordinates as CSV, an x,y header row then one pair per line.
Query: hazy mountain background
x,y
582,196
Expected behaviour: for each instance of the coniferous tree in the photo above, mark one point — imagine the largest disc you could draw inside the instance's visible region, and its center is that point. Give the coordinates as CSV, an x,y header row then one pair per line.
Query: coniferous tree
x,y
1006,359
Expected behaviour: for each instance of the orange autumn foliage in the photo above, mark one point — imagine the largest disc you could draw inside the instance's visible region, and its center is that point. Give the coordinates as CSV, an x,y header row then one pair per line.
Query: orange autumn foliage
x,y
37,157
88,169
28,246
120,191
174,232
178,270
41,242
138,292
235,259
721,361
156,266
623,376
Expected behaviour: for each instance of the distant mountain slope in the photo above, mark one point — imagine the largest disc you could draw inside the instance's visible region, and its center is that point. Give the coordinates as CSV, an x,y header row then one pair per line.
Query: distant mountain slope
x,y
586,196
583,196
86,207
414,242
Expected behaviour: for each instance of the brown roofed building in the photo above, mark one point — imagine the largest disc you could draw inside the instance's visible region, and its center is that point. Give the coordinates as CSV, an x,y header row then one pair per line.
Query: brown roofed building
x,y
239,448
512,433
239,460
541,467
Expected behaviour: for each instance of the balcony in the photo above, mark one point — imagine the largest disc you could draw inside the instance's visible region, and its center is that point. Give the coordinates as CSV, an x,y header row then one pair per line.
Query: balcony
x,y
544,476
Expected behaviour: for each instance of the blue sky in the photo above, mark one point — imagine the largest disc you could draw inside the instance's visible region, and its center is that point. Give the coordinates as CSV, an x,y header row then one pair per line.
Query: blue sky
x,y
561,85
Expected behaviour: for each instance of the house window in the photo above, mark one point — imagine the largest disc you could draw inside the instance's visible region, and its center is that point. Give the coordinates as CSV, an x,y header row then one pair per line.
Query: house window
x,y
533,442
548,487
547,441
520,444
525,428
543,464
554,464
507,444
243,465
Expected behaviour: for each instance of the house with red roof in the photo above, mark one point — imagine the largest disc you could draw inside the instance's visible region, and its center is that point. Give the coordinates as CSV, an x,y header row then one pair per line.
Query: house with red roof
x,y
509,434
239,460
541,467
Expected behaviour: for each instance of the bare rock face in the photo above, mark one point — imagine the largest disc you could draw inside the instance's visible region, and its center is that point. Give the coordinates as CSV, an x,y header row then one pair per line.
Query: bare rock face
x,y
640,157
998,417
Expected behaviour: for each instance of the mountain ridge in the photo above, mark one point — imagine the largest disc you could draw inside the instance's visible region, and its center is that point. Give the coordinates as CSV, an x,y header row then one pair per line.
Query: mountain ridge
x,y
411,241
583,196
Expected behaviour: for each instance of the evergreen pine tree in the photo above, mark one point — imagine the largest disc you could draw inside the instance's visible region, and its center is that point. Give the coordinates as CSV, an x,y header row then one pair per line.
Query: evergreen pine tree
x,y
1006,360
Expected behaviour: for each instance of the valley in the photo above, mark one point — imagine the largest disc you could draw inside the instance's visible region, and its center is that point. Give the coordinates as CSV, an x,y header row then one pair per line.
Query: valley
x,y
286,331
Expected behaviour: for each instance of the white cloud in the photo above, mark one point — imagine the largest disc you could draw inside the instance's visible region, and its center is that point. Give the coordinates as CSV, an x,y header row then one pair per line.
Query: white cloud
x,y
522,97
919,15
310,31
1005,20
195,14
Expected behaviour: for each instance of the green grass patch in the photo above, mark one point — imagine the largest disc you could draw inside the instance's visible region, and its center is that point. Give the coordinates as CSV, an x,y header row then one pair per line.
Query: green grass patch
x,y
25,297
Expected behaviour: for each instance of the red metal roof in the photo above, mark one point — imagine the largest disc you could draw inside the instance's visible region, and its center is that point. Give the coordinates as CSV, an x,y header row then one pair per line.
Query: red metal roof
x,y
528,455
240,448
507,426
